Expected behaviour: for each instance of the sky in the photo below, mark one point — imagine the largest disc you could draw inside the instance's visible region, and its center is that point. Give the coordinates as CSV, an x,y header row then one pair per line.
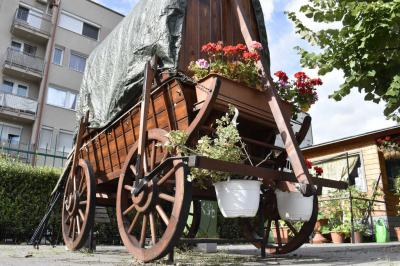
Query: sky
x,y
331,120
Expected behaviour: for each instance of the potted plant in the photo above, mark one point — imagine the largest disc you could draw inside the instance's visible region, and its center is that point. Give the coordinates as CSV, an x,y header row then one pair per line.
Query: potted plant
x,y
236,197
397,193
390,147
339,233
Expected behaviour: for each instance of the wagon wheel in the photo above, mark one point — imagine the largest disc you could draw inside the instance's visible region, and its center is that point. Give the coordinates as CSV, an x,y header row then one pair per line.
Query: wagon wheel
x,y
193,221
300,232
148,229
78,206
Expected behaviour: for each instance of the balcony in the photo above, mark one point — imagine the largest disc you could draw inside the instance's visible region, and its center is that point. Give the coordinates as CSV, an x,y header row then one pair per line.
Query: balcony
x,y
16,106
31,25
20,64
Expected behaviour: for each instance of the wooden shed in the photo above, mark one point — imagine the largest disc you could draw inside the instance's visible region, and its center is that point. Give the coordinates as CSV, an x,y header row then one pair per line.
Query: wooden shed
x,y
358,160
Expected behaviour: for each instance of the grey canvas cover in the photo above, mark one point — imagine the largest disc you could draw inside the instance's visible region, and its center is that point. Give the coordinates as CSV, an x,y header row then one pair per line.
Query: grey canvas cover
x,y
114,73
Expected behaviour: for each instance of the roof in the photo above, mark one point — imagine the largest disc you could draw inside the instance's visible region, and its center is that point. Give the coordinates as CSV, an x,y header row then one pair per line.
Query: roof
x,y
105,7
368,135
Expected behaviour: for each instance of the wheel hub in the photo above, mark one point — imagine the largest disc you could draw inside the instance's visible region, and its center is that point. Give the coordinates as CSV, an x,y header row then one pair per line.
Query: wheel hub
x,y
146,200
72,203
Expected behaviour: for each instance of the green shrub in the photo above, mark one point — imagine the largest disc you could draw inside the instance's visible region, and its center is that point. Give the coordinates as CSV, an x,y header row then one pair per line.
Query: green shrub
x,y
24,195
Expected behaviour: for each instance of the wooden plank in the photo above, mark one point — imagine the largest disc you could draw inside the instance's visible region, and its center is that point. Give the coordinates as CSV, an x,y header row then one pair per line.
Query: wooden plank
x,y
294,153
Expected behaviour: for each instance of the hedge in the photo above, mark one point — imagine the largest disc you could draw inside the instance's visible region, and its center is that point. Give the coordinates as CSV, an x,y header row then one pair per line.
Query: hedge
x,y
24,195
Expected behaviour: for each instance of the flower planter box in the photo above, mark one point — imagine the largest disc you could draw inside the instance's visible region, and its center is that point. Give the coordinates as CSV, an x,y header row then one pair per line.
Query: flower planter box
x,y
252,103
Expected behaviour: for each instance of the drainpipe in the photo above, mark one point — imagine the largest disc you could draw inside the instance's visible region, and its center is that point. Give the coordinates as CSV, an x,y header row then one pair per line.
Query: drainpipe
x,y
45,81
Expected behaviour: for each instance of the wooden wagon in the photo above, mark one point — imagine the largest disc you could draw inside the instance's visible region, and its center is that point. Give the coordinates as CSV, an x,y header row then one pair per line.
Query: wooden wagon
x,y
124,166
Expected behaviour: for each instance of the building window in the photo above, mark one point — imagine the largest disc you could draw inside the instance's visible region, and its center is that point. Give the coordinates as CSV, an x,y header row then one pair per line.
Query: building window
x,y
7,86
58,56
393,172
9,133
62,98
90,31
74,24
12,88
16,46
24,47
23,13
22,90
65,142
46,136
77,62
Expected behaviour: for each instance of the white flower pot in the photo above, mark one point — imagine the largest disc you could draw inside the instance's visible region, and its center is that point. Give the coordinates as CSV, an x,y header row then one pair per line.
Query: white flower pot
x,y
238,198
293,206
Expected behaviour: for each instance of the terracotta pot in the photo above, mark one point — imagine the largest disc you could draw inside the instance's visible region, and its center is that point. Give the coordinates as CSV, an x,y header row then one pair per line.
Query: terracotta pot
x,y
319,224
284,232
319,239
337,237
397,231
358,237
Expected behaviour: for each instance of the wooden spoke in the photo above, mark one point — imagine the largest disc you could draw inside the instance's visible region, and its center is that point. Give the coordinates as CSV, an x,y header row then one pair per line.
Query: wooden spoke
x,y
152,228
83,202
291,227
73,229
82,215
74,182
145,164
162,214
153,155
278,233
166,176
166,197
129,209
129,188
81,182
133,222
133,169
78,225
143,232
70,226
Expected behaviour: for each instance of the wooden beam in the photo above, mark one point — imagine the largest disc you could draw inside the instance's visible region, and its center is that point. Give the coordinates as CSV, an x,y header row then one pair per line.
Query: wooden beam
x,y
144,110
285,129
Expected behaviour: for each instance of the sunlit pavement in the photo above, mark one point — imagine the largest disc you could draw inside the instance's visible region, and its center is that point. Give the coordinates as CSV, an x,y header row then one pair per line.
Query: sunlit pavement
x,y
325,254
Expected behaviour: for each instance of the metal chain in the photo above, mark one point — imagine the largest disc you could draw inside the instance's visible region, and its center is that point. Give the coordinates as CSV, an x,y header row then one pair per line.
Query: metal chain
x,y
186,79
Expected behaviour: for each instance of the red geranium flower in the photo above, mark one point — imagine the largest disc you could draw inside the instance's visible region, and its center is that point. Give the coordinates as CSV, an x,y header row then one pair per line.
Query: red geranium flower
x,y
308,164
251,56
318,170
241,47
316,81
388,138
281,75
300,75
230,50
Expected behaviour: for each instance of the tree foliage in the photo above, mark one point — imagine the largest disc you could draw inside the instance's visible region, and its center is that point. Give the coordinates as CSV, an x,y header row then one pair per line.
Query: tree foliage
x,y
366,47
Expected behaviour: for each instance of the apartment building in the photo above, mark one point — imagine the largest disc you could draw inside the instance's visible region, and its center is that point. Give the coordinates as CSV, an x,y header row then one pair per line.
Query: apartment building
x,y
43,49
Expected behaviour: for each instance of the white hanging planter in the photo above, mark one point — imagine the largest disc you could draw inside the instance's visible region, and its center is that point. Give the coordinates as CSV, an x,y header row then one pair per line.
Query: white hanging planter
x,y
293,206
238,198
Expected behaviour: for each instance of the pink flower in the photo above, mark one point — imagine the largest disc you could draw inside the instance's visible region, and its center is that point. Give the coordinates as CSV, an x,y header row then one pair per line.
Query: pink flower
x,y
202,63
256,45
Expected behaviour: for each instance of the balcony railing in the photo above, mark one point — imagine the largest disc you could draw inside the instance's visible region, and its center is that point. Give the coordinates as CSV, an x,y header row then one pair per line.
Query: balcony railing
x,y
16,58
33,21
18,104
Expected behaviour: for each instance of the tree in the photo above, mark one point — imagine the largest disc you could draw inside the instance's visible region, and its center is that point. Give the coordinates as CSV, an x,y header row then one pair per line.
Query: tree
x,y
366,48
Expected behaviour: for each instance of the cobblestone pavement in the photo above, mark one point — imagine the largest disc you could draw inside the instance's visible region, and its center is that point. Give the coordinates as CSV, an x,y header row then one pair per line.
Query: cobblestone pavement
x,y
327,254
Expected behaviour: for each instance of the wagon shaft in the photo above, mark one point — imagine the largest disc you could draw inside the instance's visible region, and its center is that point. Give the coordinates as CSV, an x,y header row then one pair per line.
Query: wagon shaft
x,y
266,174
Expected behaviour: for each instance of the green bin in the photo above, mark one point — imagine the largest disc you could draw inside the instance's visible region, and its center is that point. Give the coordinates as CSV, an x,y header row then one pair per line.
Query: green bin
x,y
381,232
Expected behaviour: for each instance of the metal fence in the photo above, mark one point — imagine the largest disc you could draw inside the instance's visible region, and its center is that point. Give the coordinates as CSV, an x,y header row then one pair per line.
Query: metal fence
x,y
30,154
16,58
32,20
